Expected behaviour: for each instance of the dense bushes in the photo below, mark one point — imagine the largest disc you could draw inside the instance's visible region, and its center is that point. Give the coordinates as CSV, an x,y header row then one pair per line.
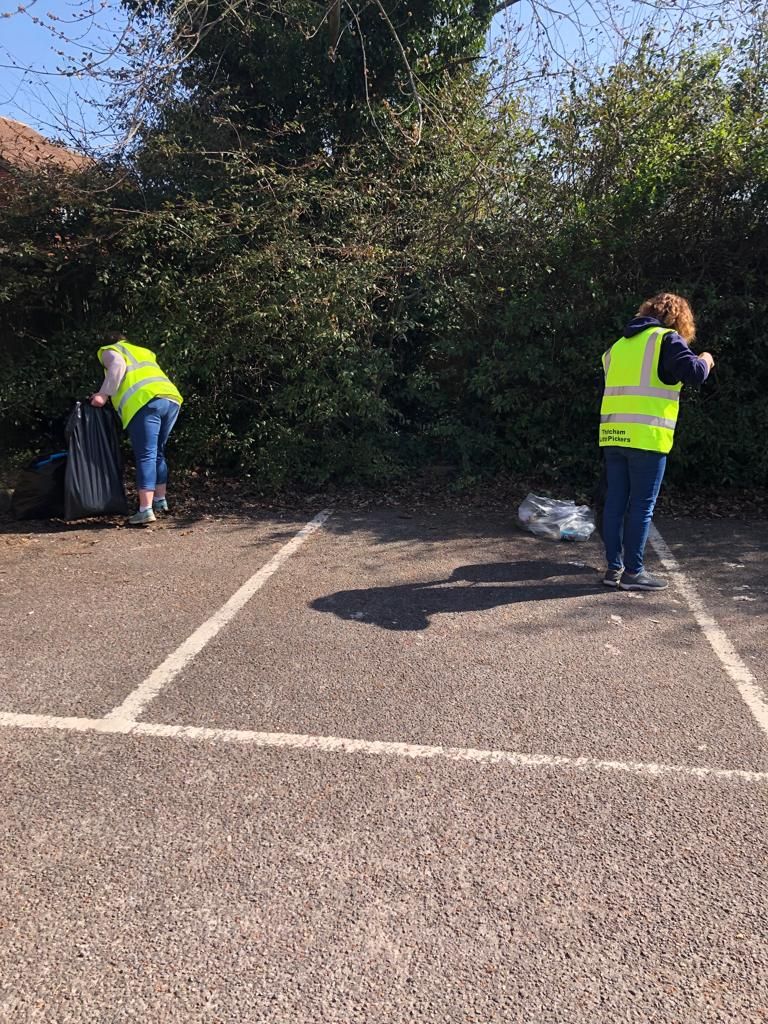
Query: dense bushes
x,y
385,306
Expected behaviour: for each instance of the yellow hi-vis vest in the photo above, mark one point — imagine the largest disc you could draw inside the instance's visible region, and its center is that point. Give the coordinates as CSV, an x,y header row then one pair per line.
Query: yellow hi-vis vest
x,y
143,380
638,410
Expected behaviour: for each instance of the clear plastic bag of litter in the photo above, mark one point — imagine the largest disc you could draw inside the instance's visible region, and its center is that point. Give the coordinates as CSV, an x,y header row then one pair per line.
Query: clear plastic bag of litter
x,y
556,520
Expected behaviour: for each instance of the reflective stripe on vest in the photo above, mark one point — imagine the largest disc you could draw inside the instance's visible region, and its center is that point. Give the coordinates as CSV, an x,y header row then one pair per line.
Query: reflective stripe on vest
x,y
636,417
143,380
668,393
127,395
638,409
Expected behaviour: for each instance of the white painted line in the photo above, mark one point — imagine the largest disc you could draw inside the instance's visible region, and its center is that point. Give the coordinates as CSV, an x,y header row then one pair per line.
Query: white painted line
x,y
376,748
735,668
12,720
135,703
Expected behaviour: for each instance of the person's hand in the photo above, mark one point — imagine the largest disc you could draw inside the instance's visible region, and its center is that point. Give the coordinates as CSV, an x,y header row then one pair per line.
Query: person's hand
x,y
98,400
708,360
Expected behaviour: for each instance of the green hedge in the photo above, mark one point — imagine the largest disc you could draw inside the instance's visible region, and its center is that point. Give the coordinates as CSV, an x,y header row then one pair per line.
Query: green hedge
x,y
358,318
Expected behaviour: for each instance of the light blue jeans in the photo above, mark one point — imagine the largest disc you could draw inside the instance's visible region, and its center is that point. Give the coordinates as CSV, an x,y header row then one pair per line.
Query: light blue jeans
x,y
149,430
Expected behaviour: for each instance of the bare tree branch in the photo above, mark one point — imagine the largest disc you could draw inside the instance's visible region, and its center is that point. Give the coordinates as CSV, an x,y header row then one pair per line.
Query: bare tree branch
x,y
140,57
503,6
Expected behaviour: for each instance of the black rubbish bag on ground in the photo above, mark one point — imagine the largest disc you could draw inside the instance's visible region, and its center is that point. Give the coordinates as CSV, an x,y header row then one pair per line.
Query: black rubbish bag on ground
x,y
94,480
39,490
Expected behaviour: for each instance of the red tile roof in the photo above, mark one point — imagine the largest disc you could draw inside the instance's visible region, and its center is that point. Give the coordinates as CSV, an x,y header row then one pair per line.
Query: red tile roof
x,y
22,148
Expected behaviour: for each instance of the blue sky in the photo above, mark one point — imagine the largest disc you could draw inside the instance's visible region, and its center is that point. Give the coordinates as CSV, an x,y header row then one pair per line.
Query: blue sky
x,y
32,54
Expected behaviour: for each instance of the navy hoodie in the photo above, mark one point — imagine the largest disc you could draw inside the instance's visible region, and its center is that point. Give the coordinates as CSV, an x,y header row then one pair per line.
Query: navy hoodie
x,y
677,364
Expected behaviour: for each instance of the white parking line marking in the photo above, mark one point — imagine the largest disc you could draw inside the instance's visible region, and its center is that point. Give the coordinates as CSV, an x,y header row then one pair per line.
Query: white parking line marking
x,y
376,748
735,668
135,703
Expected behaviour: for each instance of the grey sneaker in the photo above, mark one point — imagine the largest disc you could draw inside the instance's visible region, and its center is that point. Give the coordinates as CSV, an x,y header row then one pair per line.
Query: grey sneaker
x,y
160,505
642,581
612,577
142,518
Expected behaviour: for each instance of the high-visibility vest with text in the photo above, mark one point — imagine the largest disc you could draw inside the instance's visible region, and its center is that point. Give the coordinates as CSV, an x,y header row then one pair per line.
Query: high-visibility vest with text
x,y
638,409
143,380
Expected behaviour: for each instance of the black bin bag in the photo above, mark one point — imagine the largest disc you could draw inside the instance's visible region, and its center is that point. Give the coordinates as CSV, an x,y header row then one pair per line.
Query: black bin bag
x,y
94,479
39,490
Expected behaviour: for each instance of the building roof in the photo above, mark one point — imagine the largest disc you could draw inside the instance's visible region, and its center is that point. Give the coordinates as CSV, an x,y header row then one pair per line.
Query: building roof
x,y
22,148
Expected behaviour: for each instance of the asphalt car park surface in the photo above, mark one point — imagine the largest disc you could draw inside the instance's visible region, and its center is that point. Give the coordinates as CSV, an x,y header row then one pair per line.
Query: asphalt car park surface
x,y
424,767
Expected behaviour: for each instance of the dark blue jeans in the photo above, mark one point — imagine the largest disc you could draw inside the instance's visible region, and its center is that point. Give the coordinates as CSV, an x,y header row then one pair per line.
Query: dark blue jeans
x,y
149,430
634,480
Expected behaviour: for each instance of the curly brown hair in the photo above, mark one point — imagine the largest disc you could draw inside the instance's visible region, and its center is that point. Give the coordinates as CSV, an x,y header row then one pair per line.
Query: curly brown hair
x,y
673,311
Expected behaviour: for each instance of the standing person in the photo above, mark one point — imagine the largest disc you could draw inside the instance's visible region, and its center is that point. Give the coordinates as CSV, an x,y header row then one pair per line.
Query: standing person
x,y
644,374
148,405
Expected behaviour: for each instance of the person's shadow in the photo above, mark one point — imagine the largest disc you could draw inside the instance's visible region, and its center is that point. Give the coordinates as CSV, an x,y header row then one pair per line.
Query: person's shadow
x,y
470,588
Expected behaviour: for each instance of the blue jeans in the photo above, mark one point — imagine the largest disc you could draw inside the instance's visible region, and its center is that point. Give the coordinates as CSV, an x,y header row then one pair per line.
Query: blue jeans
x,y
634,480
149,430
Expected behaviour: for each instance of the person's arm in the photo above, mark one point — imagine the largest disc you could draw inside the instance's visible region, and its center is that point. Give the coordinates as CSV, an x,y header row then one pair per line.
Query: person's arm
x,y
115,366
679,365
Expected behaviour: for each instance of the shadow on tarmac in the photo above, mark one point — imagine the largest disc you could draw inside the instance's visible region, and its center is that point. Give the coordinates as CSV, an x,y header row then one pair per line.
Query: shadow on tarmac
x,y
470,588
